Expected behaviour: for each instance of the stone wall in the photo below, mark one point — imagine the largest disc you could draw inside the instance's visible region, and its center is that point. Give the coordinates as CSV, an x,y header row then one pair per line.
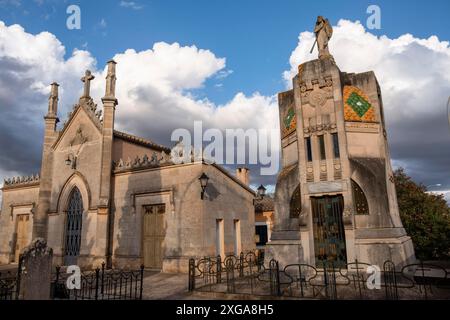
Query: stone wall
x,y
16,201
190,222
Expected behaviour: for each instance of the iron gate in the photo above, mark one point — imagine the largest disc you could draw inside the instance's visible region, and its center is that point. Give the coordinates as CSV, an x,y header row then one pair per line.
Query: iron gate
x,y
329,234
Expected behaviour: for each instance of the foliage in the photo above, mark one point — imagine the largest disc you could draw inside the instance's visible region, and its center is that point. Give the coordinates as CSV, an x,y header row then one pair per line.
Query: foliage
x,y
425,216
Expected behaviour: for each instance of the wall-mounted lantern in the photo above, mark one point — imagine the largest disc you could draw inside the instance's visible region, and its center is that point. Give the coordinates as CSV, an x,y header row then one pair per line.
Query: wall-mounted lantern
x,y
261,192
203,184
71,161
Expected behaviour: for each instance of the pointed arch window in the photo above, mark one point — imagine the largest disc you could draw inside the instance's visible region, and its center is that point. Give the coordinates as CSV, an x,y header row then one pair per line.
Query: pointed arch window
x,y
359,200
73,227
295,206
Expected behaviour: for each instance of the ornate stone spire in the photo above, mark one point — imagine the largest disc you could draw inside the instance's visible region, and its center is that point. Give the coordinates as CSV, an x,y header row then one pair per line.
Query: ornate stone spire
x,y
53,101
110,91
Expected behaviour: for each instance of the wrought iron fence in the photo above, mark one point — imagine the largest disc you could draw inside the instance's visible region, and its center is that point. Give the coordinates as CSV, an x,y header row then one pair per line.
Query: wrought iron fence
x,y
9,285
246,274
100,284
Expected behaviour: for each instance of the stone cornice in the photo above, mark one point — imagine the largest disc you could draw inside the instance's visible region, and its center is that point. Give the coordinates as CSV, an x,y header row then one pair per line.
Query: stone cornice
x,y
146,162
21,182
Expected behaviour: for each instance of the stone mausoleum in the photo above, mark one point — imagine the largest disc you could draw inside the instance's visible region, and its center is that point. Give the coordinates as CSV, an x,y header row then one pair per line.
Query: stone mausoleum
x,y
105,195
335,197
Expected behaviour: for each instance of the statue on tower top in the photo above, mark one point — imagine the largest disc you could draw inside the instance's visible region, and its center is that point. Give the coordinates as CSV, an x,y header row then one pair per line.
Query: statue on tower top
x,y
324,32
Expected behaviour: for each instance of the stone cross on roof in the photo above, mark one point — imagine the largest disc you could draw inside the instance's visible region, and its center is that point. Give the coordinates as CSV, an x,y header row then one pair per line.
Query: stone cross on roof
x,y
87,83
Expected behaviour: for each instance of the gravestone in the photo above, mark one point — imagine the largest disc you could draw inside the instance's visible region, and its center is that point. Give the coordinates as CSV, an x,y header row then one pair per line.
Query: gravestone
x,y
35,271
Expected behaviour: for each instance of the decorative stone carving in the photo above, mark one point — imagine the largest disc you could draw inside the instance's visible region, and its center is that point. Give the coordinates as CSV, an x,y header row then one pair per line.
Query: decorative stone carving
x,y
33,179
80,138
154,159
317,98
145,162
319,128
317,91
348,215
303,219
325,187
36,249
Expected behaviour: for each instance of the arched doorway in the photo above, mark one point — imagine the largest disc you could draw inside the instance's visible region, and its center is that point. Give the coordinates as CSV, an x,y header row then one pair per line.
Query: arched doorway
x,y
74,221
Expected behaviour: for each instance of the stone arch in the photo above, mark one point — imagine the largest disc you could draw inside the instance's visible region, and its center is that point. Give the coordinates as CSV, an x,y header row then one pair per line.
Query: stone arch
x,y
286,185
79,181
370,175
75,182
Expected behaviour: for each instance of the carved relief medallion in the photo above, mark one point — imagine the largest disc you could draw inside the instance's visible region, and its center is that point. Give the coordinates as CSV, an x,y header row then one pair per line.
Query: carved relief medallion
x,y
317,98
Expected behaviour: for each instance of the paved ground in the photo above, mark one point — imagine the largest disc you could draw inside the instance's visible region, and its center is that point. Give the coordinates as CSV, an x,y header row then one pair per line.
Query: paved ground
x,y
167,286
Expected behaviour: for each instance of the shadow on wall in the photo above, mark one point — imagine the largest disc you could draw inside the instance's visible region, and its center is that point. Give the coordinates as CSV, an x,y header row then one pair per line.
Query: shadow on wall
x,y
126,239
211,192
370,175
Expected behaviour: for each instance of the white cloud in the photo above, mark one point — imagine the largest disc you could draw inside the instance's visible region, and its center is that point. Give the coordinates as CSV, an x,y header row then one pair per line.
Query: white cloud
x,y
29,63
224,74
444,193
130,4
414,76
156,91
15,3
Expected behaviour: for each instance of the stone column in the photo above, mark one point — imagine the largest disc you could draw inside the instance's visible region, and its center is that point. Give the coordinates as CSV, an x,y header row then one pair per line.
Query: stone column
x,y
109,105
50,134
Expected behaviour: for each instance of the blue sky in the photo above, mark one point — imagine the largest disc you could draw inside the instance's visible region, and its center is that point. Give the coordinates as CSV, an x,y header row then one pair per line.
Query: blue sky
x,y
260,41
255,36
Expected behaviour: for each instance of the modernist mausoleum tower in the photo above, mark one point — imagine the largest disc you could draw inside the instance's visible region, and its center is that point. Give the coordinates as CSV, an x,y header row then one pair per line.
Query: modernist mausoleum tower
x,y
335,196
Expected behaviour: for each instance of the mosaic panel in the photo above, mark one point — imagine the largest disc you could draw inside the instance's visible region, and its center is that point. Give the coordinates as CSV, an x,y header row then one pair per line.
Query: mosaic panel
x,y
357,106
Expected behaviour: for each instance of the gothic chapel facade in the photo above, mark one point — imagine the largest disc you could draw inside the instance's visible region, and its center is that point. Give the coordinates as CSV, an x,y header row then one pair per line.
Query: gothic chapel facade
x,y
104,195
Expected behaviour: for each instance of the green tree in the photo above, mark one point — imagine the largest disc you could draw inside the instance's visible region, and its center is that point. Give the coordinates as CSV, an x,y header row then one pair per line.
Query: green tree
x,y
425,216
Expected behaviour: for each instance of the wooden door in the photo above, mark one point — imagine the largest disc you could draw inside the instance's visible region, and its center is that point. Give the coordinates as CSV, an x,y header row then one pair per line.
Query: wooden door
x,y
153,235
329,234
23,234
